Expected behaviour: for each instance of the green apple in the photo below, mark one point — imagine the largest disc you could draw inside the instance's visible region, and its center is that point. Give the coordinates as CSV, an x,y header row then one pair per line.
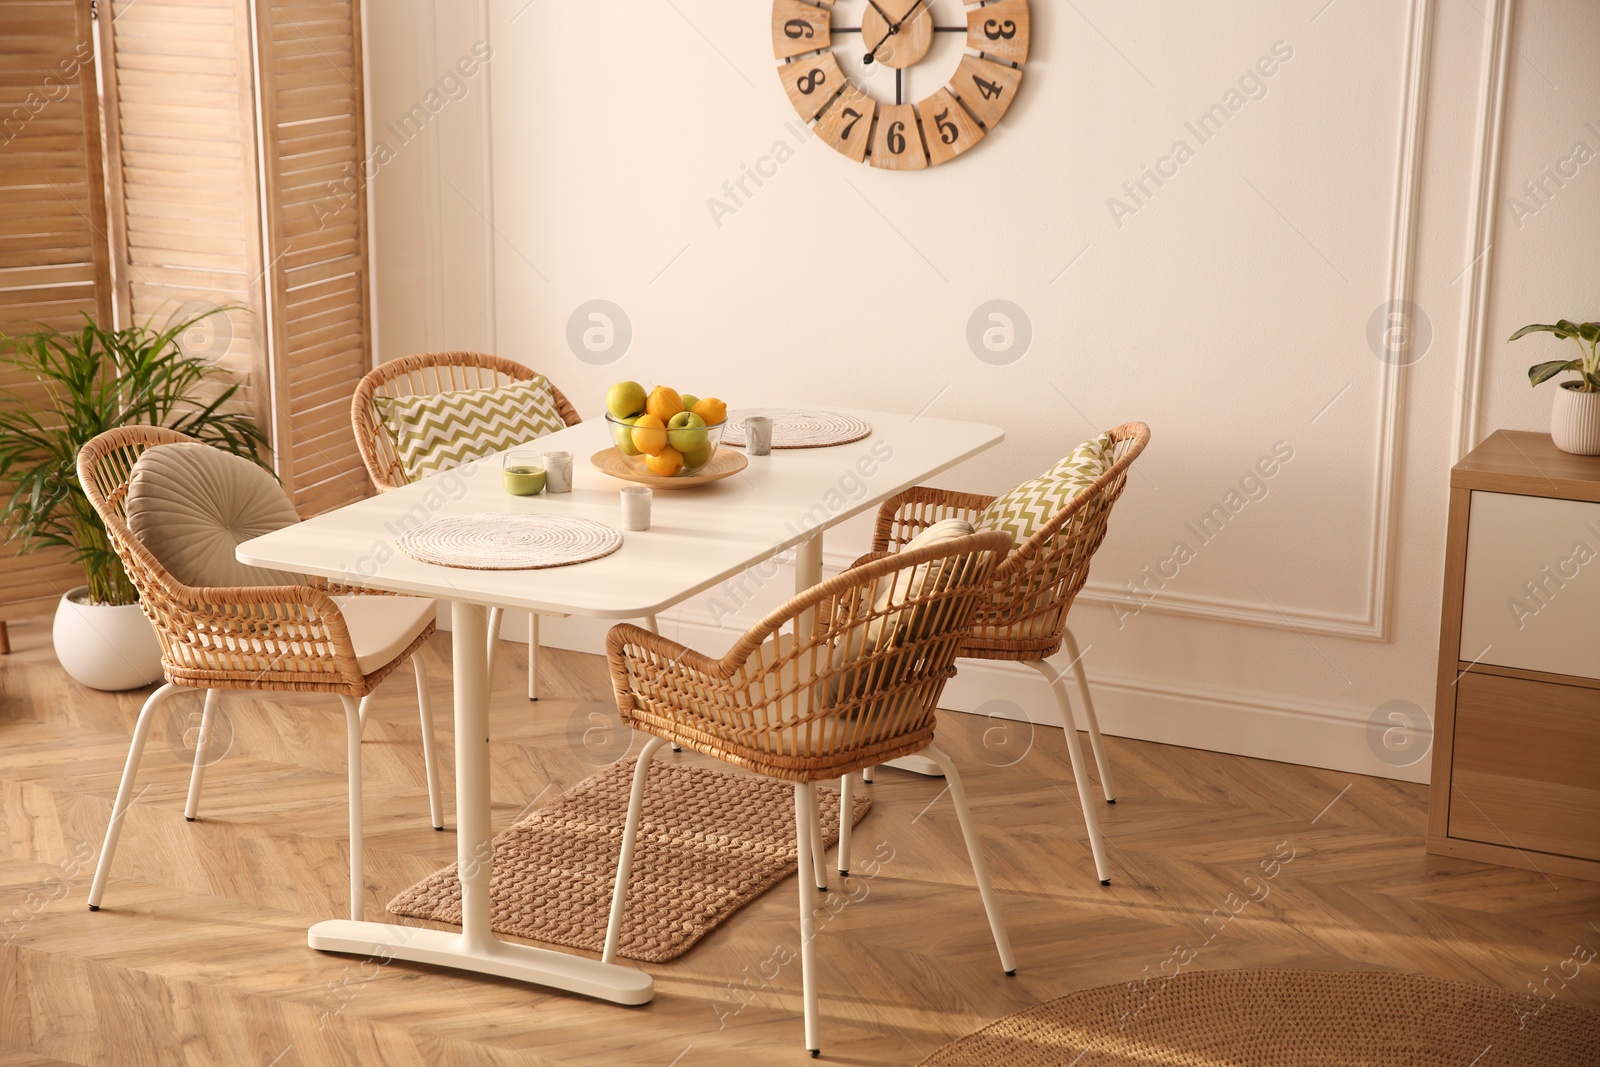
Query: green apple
x,y
625,398
689,401
686,432
698,457
624,437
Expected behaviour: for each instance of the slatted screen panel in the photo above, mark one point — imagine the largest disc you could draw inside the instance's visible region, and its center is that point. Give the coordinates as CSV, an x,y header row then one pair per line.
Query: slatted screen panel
x,y
317,219
184,190
53,259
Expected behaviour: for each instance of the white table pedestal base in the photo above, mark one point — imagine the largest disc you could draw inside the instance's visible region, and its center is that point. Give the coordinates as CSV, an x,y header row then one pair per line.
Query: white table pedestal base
x,y
524,963
916,764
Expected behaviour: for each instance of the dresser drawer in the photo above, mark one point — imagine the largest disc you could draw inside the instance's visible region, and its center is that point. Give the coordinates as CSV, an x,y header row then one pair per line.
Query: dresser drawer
x,y
1532,590
1527,765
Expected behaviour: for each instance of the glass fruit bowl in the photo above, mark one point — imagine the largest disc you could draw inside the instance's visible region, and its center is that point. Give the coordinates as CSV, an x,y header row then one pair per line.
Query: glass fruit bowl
x,y
682,448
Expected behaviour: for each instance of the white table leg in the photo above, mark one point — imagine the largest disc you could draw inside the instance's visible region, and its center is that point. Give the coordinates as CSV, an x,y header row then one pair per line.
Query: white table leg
x,y
476,948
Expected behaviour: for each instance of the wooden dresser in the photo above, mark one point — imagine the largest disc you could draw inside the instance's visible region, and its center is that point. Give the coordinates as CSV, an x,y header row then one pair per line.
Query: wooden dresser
x,y
1516,760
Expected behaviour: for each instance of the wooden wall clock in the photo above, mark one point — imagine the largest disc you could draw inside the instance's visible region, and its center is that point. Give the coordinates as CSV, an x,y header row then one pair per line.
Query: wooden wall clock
x,y
896,35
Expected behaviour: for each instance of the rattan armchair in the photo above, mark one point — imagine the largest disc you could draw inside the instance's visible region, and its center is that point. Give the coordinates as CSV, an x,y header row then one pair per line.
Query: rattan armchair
x,y
424,375
1024,616
845,675
288,638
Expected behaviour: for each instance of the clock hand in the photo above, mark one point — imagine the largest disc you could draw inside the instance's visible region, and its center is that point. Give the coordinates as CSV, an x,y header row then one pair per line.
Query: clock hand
x,y
894,28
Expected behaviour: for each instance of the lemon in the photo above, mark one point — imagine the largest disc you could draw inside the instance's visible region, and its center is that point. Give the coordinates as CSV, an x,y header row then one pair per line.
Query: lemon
x,y
712,410
664,402
649,435
666,463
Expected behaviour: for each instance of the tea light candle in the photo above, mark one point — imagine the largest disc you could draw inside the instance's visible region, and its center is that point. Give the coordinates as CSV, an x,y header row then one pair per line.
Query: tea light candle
x,y
758,435
558,472
636,507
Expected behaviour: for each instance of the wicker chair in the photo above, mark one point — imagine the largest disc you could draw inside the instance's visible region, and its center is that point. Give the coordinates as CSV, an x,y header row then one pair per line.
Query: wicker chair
x,y
290,638
845,675
426,374
1025,617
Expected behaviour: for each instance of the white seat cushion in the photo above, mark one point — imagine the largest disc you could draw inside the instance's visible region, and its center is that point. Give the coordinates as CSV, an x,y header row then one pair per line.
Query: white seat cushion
x,y
192,505
381,627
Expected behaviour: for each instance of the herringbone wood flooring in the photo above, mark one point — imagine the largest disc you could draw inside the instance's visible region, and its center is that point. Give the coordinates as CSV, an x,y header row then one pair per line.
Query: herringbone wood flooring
x,y
199,955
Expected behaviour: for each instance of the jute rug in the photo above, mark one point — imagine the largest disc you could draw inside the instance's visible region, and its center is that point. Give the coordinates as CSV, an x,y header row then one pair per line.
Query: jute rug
x,y
1251,1018
709,843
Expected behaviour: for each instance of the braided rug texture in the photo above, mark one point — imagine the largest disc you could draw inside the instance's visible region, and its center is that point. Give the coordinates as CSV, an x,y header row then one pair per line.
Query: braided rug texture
x,y
798,427
709,843
1264,1018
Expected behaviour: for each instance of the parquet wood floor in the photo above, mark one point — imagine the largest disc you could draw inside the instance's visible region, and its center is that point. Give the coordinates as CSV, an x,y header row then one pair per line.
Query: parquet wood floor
x,y
199,955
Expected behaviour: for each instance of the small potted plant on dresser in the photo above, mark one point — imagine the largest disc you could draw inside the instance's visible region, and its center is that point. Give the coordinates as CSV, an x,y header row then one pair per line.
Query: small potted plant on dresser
x,y
89,382
1575,419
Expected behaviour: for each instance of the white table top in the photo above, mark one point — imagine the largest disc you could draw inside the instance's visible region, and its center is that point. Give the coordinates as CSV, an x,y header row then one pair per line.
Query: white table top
x,y
697,537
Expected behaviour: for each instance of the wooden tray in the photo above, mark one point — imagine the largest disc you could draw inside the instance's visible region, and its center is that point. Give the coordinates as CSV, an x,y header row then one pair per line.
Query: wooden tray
x,y
724,464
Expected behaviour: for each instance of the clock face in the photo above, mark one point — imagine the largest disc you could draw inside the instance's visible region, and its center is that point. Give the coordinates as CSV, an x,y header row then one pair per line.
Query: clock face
x,y
850,72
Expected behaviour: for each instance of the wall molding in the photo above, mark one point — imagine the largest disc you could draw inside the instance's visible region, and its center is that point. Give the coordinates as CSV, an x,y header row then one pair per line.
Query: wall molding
x,y
1235,721
1372,622
1496,65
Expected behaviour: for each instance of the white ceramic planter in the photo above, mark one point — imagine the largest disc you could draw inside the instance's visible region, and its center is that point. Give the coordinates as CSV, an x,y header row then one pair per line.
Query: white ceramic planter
x,y
1575,422
110,648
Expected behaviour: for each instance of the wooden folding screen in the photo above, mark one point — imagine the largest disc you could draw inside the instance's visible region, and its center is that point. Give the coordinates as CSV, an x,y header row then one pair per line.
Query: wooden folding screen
x,y
239,156
53,251
225,168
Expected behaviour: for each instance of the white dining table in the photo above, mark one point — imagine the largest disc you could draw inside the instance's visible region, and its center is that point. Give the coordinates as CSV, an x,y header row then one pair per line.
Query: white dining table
x,y
697,538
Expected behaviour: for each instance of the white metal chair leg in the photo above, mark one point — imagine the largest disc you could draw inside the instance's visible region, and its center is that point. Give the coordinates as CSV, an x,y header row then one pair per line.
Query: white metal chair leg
x,y
202,747
1097,844
805,815
846,821
651,625
1107,787
119,810
533,655
630,832
494,643
358,881
866,774
819,854
361,710
430,762
980,870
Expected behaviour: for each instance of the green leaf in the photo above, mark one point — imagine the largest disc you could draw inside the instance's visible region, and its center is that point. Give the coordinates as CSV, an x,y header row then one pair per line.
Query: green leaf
x,y
1540,373
1538,327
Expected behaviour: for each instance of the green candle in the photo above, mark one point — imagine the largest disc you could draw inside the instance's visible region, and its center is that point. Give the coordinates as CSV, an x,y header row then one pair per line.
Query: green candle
x,y
523,480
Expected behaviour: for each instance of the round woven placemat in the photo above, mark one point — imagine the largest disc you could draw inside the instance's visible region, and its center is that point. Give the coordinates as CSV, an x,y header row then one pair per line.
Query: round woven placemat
x,y
493,542
798,427
1256,1018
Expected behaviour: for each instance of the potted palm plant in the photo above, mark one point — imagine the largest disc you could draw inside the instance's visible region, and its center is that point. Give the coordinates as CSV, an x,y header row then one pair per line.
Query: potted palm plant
x,y
92,381
1575,419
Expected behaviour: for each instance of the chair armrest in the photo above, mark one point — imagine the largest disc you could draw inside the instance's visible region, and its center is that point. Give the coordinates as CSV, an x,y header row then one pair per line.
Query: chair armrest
x,y
253,634
906,514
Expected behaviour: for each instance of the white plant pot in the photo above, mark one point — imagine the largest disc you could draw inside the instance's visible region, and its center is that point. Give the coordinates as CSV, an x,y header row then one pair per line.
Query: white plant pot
x,y
103,646
1575,422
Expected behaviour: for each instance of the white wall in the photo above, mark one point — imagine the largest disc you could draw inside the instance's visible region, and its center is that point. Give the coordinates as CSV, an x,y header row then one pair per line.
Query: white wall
x,y
1230,308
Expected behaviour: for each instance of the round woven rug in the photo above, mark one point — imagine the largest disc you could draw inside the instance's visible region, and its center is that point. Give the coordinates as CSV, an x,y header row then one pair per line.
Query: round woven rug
x,y
798,427
493,542
1249,1018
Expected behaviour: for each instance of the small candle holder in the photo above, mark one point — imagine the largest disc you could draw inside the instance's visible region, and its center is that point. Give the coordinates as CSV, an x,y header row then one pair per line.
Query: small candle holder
x,y
558,472
522,472
636,507
758,435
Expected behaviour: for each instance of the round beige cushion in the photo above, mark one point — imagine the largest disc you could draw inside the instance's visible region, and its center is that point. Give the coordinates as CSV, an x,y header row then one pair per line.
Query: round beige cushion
x,y
192,505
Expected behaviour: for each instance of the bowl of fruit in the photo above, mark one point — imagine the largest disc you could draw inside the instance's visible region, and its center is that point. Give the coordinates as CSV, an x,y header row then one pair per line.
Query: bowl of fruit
x,y
666,438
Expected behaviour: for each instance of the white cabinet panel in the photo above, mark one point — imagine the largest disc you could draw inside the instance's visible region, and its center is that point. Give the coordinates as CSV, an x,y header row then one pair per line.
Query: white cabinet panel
x,y
1533,584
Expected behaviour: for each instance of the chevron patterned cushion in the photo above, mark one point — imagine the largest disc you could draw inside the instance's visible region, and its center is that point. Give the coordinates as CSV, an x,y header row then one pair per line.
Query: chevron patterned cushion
x,y
436,432
1025,510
